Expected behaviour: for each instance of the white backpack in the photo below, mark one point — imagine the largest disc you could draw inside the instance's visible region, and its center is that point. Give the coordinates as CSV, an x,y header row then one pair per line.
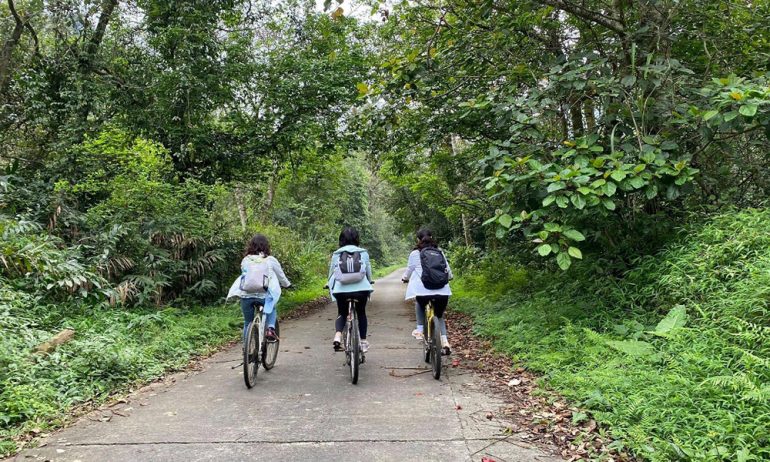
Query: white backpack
x,y
256,275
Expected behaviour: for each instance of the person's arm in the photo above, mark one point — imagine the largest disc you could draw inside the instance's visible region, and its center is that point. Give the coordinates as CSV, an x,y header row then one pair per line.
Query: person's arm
x,y
331,267
369,276
282,279
411,264
448,268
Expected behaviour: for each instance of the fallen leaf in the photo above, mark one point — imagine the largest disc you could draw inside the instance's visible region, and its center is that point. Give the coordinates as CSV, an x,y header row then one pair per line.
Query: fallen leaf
x,y
514,382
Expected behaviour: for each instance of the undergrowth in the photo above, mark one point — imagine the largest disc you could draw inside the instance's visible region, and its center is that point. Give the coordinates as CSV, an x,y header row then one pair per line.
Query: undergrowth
x,y
113,351
674,357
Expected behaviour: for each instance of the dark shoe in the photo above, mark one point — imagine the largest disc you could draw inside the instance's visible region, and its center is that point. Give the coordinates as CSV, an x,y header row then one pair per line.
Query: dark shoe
x,y
337,346
446,351
271,337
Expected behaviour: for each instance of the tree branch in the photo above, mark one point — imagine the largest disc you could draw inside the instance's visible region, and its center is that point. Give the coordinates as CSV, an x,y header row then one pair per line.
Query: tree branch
x,y
611,23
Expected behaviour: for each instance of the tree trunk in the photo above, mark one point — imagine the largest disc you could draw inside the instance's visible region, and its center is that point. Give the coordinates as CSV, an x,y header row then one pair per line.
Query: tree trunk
x,y
87,59
241,207
62,337
590,114
272,185
7,53
466,230
576,116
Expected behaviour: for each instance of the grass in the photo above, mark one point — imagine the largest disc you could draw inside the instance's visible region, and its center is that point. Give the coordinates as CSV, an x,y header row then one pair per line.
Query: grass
x,y
113,351
697,391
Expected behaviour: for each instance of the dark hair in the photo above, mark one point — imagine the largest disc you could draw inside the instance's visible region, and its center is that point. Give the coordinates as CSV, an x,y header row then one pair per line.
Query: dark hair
x,y
258,244
425,239
349,236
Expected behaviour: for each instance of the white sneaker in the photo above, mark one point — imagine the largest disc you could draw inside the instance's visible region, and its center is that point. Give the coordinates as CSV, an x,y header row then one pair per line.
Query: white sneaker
x,y
445,345
417,333
364,346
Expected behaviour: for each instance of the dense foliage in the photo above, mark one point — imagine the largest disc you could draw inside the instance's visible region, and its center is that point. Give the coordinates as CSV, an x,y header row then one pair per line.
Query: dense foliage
x,y
673,358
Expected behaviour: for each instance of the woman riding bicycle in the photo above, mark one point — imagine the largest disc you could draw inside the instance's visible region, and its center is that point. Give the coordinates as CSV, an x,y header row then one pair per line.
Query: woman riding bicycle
x,y
422,295
257,255
350,277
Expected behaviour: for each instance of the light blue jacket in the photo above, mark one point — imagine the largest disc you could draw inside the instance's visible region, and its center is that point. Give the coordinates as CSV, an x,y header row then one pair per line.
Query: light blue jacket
x,y
360,286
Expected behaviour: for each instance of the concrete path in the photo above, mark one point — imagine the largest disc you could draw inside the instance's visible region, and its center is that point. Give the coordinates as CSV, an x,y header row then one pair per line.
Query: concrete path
x,y
306,408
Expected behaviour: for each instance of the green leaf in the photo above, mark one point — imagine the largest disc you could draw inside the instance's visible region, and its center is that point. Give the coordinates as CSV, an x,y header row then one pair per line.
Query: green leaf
x,y
632,347
575,252
544,250
574,234
363,88
628,81
637,182
564,261
618,175
651,191
505,220
730,116
609,188
556,185
552,227
710,114
548,200
562,202
675,318
578,201
609,204
748,110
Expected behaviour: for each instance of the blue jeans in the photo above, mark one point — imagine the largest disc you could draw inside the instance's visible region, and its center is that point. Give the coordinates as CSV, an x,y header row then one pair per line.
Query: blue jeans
x,y
249,305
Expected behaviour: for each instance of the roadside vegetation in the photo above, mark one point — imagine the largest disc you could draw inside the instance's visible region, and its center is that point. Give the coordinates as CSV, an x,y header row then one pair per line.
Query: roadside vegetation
x,y
671,357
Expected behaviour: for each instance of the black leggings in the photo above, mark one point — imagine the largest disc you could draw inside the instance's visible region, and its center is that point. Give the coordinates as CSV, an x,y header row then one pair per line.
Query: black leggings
x,y
342,310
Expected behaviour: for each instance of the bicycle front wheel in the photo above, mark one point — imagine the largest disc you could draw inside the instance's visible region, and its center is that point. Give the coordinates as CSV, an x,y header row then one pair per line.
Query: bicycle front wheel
x,y
251,354
354,349
435,349
270,350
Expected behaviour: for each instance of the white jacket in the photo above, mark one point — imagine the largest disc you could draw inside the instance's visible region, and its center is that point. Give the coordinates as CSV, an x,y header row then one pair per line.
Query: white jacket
x,y
413,273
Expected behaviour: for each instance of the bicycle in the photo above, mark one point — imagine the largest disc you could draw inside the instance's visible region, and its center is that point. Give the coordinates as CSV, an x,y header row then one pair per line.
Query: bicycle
x,y
257,348
431,341
351,340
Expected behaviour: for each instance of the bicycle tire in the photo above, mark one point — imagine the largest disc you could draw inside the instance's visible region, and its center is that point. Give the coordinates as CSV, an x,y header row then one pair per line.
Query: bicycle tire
x,y
355,350
435,349
251,354
270,349
426,340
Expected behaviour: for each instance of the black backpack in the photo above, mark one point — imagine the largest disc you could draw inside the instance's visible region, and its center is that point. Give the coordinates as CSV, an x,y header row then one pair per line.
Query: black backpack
x,y
435,273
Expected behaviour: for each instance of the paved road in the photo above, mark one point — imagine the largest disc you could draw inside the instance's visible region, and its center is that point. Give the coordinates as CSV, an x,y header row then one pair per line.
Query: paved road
x,y
305,408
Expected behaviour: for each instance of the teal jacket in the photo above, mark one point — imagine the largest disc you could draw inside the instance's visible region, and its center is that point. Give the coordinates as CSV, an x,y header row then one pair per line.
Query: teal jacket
x,y
360,286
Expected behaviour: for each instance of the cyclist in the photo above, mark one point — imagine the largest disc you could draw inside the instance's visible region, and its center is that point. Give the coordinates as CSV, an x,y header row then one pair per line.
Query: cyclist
x,y
416,289
350,276
258,252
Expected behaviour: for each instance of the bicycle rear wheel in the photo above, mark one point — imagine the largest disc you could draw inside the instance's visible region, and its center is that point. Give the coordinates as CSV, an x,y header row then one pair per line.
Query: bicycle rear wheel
x,y
270,349
354,348
435,349
426,342
251,354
